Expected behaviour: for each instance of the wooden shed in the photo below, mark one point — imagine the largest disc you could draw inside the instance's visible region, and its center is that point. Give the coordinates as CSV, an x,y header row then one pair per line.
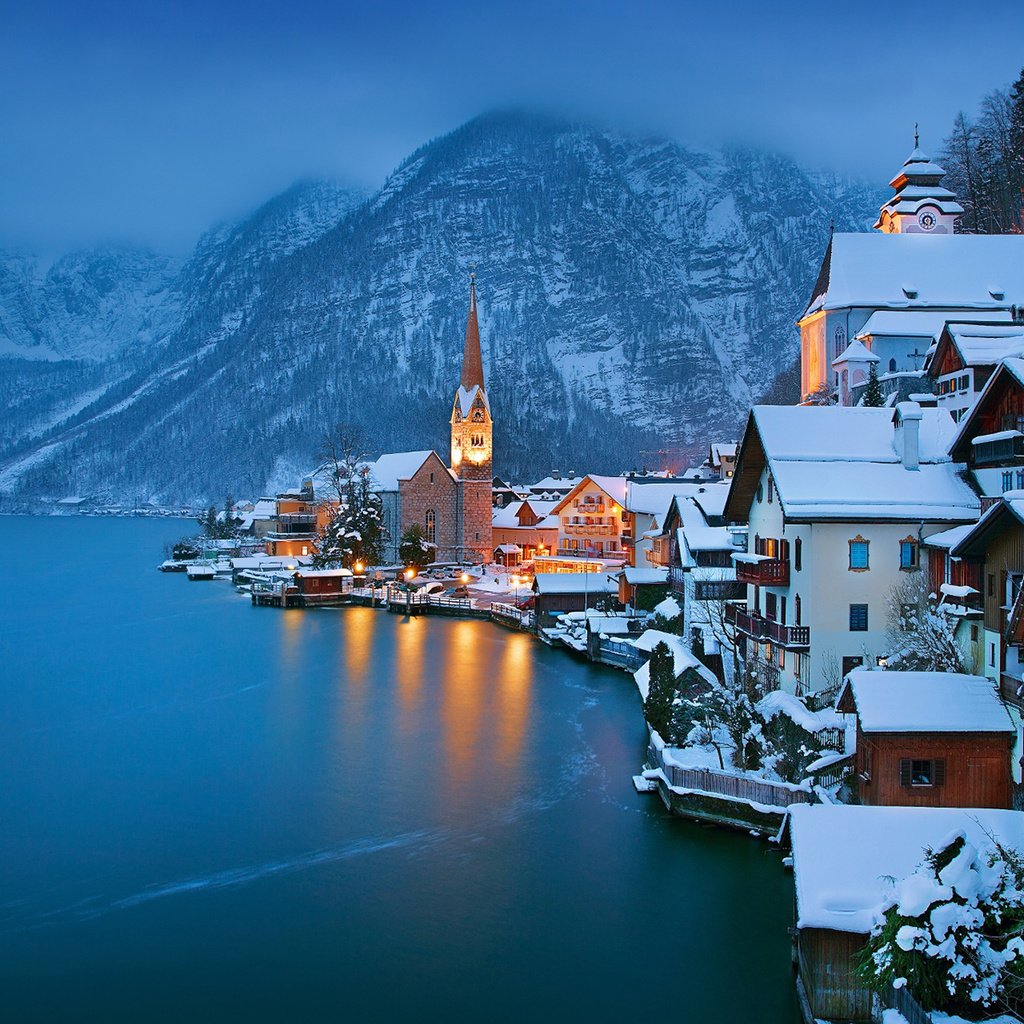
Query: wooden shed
x,y
930,739
844,860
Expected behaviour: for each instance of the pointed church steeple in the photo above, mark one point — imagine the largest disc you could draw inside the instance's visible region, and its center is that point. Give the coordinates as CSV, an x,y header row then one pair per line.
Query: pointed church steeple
x,y
472,360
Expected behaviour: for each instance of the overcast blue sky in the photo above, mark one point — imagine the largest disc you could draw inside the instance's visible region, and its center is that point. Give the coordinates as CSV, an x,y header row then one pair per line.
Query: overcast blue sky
x,y
146,122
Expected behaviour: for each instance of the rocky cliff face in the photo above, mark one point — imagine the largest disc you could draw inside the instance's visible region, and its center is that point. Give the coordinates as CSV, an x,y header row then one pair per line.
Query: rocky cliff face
x,y
635,299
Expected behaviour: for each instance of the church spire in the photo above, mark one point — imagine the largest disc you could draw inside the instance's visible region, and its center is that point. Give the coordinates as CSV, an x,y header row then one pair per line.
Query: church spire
x,y
472,361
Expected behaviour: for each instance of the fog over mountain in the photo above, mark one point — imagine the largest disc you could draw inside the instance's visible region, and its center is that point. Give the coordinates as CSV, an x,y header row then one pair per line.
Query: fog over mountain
x,y
635,298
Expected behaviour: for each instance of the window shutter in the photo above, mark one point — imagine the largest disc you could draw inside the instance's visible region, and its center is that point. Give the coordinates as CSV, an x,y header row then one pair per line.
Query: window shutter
x,y
940,772
904,771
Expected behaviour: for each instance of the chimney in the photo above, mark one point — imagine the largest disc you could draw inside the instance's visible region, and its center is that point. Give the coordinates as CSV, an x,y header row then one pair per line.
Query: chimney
x,y
556,474
572,474
907,434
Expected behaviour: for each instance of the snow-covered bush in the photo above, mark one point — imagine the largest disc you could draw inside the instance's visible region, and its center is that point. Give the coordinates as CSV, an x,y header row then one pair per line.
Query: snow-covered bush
x,y
952,931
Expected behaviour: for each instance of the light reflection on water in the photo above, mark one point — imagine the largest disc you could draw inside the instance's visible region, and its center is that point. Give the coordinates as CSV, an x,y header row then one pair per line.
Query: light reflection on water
x,y
230,813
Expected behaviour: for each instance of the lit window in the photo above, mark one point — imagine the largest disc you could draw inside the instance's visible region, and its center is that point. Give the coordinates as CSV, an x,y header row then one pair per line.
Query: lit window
x,y
430,523
858,554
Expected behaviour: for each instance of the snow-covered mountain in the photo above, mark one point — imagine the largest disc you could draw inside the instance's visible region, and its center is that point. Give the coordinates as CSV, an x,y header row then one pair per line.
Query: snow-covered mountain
x,y
635,298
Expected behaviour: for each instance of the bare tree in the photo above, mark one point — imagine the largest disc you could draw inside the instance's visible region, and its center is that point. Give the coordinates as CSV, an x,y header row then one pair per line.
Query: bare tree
x,y
824,394
921,631
341,452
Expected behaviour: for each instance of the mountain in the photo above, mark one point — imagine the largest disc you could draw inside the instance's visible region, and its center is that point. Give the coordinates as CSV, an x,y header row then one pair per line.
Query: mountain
x,y
635,296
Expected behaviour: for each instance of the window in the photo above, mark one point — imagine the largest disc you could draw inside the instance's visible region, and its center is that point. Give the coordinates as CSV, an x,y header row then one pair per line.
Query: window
x,y
797,609
798,553
908,553
892,365
858,554
1007,480
797,659
771,489
760,493
432,480
974,633
430,523
991,584
858,618
991,655
922,772
1020,479
770,606
839,341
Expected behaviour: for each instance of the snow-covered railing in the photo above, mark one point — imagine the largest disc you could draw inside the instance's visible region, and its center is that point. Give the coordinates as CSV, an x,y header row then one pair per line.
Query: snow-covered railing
x,y
900,999
510,614
731,785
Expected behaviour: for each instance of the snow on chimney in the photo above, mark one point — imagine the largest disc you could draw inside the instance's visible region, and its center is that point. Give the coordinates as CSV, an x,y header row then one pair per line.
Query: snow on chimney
x,y
556,474
907,434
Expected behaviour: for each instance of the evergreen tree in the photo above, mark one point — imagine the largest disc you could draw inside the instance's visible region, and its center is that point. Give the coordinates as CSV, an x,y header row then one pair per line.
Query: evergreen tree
x,y
356,532
661,690
873,396
413,548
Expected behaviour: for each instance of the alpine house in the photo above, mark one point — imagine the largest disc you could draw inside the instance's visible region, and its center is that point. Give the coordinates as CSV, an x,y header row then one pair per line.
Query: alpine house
x,y
837,503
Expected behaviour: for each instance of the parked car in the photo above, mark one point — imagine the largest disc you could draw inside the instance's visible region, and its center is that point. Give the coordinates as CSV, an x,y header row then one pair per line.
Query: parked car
x,y
458,592
434,587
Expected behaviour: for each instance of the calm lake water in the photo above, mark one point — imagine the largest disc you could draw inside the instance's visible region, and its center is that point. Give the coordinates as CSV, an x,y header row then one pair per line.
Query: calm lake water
x,y
210,811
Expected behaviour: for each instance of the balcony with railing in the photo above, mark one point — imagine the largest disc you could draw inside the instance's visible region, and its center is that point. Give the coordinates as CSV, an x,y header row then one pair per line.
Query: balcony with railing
x,y
757,627
1006,446
762,571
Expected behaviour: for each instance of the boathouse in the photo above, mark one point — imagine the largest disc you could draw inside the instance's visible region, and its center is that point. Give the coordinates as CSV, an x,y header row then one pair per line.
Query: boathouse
x,y
844,861
929,739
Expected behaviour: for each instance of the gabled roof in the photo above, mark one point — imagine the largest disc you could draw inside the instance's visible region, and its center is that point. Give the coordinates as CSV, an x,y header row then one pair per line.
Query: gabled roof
x,y
1004,515
980,344
924,702
1009,372
918,271
834,462
614,488
389,469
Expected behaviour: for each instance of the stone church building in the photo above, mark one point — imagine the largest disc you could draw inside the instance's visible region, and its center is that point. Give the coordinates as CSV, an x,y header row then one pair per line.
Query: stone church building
x,y
452,503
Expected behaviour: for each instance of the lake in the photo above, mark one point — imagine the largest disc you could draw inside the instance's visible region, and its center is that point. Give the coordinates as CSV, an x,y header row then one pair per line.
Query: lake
x,y
217,812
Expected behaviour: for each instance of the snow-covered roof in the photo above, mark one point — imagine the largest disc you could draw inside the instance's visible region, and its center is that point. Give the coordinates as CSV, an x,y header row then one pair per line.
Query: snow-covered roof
x,y
554,483
507,518
918,271
509,549
574,583
389,469
656,499
855,352
683,658
723,450
834,433
870,482
613,486
640,574
987,344
926,702
899,323
846,857
948,538
778,702
323,573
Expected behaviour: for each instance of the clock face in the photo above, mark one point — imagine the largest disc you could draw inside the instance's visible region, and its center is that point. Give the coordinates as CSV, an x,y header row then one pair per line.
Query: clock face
x,y
926,220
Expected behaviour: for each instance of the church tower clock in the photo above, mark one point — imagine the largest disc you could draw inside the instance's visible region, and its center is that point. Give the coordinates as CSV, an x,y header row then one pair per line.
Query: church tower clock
x,y
471,432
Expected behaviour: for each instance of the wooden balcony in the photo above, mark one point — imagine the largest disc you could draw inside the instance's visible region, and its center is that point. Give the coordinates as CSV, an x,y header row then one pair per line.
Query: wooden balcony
x,y
766,572
1012,690
757,627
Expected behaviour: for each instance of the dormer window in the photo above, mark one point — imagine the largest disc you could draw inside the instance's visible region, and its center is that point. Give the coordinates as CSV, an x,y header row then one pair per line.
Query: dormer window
x,y
458,416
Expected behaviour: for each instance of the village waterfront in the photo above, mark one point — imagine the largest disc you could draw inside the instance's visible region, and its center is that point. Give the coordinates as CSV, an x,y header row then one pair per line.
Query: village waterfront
x,y
213,810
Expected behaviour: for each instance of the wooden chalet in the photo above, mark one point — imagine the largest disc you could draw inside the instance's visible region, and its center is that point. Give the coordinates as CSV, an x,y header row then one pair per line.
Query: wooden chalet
x,y
929,739
997,542
556,593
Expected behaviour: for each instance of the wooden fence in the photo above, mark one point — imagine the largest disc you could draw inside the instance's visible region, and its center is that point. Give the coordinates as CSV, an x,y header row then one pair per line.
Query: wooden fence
x,y
722,783
901,999
510,615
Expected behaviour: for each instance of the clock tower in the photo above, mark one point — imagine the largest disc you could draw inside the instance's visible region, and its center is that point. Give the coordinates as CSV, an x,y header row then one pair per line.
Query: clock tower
x,y
921,206
471,433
